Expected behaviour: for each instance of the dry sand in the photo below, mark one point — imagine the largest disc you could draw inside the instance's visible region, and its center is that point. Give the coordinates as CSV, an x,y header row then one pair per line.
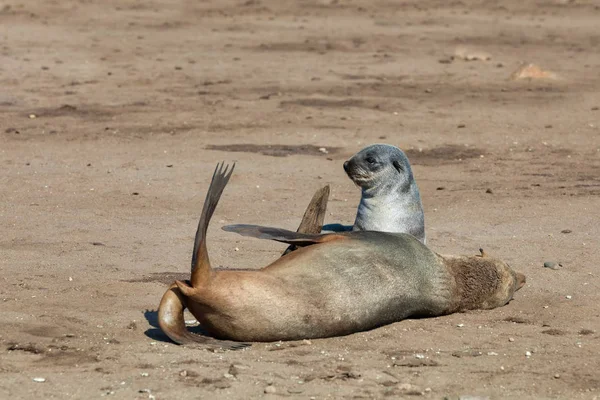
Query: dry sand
x,y
113,115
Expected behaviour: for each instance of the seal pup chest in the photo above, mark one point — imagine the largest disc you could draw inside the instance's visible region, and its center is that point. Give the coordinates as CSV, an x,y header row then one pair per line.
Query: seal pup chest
x,y
390,213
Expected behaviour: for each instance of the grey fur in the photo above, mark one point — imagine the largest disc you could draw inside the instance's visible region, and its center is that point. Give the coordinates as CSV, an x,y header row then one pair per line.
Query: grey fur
x,y
390,200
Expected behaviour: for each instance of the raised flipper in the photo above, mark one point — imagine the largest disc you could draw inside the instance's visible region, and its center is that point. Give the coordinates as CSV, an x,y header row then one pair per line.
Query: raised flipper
x,y
281,235
312,221
200,262
173,302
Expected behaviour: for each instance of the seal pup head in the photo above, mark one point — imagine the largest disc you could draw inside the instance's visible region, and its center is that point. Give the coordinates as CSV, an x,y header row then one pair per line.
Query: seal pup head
x,y
380,165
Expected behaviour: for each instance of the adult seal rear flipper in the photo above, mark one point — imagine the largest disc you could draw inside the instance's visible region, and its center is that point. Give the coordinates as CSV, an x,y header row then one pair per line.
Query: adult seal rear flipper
x,y
281,235
172,323
175,299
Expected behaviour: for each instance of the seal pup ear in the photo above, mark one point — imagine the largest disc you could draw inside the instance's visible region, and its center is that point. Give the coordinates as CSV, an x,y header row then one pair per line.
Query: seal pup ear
x,y
398,166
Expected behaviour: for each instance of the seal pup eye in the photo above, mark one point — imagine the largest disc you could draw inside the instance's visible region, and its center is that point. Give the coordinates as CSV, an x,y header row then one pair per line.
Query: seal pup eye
x,y
370,160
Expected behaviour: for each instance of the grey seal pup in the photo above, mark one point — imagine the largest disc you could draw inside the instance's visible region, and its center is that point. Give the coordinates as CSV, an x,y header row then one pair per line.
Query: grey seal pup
x,y
333,284
390,199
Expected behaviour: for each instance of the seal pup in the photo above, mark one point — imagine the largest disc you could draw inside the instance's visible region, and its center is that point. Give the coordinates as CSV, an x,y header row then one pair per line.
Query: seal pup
x,y
390,199
334,284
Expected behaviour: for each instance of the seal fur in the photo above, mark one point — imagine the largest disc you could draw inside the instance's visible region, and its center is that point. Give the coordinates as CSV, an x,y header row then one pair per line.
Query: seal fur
x,y
333,284
390,199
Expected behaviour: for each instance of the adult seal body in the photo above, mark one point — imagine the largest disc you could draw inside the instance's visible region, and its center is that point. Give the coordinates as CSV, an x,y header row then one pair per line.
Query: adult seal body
x,y
333,284
390,199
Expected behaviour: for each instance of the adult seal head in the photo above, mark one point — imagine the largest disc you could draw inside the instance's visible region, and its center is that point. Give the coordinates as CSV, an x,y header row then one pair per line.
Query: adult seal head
x,y
390,199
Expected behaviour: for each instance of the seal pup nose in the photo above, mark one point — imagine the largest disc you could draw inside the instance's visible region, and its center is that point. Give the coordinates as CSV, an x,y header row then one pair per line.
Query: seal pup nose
x,y
346,166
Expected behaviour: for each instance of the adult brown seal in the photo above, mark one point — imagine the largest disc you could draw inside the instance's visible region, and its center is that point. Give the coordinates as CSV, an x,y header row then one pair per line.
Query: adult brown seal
x,y
334,284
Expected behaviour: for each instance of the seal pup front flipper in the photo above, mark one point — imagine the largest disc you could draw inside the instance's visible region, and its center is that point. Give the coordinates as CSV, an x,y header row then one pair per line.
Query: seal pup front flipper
x,y
281,235
173,302
314,216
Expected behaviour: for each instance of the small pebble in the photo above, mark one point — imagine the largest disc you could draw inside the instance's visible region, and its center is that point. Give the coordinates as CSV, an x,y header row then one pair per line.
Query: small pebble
x,y
568,297
511,339
489,191
551,265
40,380
556,376
323,150
566,231
527,354
461,126
32,116
270,389
460,325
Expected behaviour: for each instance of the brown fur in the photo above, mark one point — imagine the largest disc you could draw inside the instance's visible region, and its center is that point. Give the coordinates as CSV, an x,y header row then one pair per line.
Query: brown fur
x,y
481,282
